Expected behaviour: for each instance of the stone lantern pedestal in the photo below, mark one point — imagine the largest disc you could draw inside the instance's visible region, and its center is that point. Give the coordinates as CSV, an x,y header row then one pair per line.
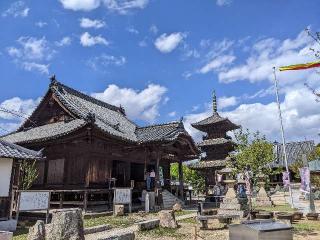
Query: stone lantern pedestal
x,y
230,204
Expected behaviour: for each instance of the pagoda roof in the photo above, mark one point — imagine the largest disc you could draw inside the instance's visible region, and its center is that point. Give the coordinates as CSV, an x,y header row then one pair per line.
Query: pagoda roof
x,y
214,141
214,120
10,150
203,164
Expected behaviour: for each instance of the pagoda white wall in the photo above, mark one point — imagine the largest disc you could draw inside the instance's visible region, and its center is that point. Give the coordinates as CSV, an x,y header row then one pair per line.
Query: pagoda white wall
x,y
5,176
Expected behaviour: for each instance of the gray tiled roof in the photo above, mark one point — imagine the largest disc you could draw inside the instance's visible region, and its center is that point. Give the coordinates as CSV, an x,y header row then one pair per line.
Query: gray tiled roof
x,y
294,150
202,164
108,118
213,120
10,150
160,132
45,132
215,141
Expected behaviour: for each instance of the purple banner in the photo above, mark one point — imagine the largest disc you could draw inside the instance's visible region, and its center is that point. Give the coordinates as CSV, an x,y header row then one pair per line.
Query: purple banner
x,y
286,179
305,179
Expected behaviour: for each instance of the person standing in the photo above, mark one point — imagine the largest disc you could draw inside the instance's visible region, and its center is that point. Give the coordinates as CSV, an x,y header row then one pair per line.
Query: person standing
x,y
153,178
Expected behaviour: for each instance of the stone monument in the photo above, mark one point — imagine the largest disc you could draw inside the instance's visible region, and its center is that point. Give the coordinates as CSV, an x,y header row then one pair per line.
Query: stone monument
x,y
230,204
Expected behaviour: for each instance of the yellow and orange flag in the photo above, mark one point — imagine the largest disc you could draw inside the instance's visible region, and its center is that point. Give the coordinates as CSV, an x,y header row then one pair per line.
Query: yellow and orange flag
x,y
300,66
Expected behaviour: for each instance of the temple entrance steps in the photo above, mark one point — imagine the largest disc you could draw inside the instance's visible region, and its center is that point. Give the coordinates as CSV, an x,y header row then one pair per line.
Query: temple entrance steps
x,y
169,200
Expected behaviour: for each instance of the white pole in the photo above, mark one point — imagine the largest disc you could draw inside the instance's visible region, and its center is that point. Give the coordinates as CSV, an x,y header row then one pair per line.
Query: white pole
x,y
282,133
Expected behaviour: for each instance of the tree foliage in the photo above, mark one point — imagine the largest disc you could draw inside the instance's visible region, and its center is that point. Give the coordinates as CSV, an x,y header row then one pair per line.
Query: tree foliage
x,y
190,176
29,174
252,150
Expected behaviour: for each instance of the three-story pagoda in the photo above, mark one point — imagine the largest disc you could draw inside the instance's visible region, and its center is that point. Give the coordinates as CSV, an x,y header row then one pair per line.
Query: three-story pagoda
x,y
216,143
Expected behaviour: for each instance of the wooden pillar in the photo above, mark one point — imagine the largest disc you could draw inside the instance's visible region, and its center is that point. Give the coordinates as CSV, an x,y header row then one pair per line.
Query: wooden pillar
x,y
180,179
157,180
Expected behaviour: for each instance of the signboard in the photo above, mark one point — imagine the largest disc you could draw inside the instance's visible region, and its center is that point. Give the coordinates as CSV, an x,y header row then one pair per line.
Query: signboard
x,y
34,200
123,196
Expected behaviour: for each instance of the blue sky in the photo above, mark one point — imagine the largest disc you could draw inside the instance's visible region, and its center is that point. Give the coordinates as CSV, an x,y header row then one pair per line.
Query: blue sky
x,y
161,59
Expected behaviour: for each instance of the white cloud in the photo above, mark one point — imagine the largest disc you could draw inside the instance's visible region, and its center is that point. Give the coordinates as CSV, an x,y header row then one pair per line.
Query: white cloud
x,y
17,9
224,102
31,48
104,60
32,66
20,107
32,54
87,40
154,29
132,30
299,109
125,6
143,43
118,6
167,43
217,63
223,2
142,105
172,114
91,23
6,127
65,41
41,24
270,52
83,5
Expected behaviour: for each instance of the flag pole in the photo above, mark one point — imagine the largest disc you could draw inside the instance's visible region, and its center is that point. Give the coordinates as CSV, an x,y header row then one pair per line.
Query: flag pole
x,y
282,133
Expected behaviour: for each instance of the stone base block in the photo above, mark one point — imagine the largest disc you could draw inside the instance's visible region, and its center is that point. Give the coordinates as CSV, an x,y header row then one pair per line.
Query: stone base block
x,y
231,200
148,224
241,214
6,235
118,210
230,206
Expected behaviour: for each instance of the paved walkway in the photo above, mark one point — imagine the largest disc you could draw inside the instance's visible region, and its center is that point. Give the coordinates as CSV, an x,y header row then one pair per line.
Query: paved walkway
x,y
302,205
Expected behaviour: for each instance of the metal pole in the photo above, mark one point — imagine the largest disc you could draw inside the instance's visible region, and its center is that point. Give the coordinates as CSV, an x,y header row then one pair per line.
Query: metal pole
x,y
282,133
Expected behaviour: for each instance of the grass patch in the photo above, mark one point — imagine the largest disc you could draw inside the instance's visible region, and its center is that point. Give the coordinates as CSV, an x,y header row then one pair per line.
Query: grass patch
x,y
189,221
306,226
284,208
183,212
21,234
164,232
124,221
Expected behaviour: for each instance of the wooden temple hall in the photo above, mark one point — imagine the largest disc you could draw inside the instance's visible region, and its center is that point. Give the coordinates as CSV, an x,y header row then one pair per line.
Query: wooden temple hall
x,y
91,146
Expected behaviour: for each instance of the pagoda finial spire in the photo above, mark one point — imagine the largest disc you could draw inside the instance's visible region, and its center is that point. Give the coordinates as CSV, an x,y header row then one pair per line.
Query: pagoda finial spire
x,y
214,101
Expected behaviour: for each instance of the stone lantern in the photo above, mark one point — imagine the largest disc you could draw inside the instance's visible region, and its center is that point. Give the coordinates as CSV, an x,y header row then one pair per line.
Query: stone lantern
x,y
262,198
229,181
230,205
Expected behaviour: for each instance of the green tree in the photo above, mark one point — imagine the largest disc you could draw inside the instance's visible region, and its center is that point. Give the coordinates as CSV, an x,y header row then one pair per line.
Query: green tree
x,y
252,150
29,174
190,176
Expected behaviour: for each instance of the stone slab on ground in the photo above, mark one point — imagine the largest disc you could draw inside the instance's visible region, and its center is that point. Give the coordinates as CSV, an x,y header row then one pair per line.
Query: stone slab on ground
x,y
95,229
110,234
4,235
9,225
120,236
148,224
